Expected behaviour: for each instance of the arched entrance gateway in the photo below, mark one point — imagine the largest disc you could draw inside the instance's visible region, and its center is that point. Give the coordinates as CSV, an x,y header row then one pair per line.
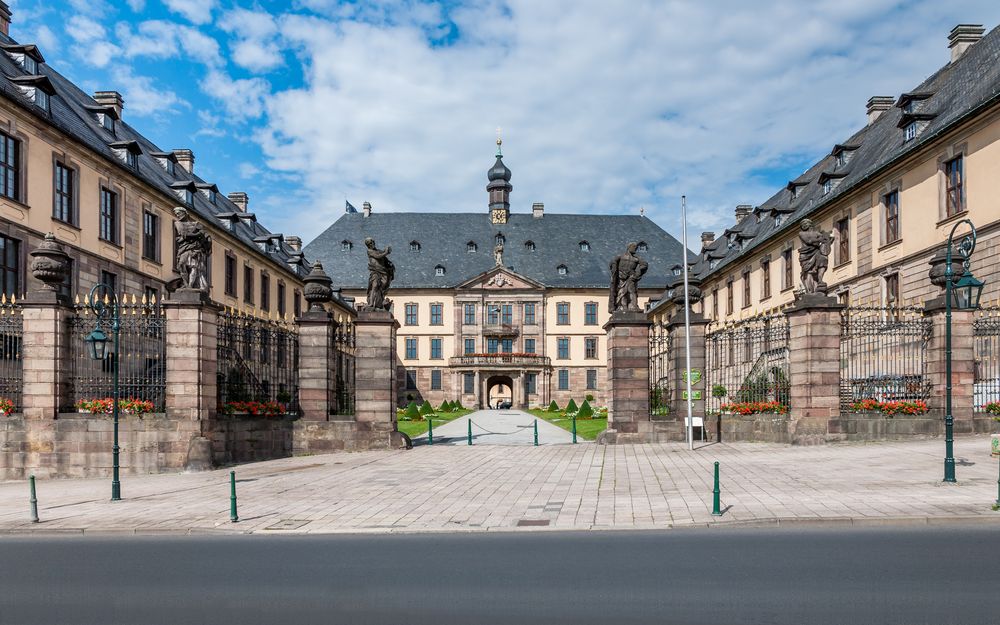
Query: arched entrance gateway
x,y
499,388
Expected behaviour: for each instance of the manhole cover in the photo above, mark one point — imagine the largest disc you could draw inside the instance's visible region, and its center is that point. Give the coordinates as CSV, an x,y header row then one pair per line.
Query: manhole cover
x,y
533,523
287,524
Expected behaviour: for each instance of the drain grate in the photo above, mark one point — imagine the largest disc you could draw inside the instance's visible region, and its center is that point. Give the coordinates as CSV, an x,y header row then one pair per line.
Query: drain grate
x,y
533,523
287,524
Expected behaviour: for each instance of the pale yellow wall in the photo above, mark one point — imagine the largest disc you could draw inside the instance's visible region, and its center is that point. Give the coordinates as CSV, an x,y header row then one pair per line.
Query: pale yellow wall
x,y
424,331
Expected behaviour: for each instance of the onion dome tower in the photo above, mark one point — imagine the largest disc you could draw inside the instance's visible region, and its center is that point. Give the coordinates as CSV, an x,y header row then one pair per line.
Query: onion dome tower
x,y
499,189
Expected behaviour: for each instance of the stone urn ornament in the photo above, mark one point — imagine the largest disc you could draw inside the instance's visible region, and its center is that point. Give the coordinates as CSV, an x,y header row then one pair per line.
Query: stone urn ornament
x,y
317,290
50,264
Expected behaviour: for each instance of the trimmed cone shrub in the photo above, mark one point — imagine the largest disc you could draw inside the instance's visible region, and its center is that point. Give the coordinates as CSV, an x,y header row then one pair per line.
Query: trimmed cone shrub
x,y
457,405
589,397
426,408
553,407
445,406
571,406
585,411
412,412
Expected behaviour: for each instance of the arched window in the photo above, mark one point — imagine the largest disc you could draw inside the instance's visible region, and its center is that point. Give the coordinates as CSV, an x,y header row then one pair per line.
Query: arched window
x,y
529,246
642,247
584,246
500,239
414,246
563,270
439,270
470,247
345,245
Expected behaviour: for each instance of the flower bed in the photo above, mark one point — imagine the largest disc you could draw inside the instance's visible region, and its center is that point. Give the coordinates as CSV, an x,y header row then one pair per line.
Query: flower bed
x,y
891,408
6,407
255,408
755,407
130,405
993,408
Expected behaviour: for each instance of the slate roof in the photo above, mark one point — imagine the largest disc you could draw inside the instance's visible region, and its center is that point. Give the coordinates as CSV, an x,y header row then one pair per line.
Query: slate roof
x,y
73,112
444,239
957,91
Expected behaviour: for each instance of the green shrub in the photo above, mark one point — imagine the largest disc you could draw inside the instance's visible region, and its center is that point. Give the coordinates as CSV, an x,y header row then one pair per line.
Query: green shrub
x,y
553,407
571,406
426,408
457,405
412,412
585,411
589,397
445,406
718,390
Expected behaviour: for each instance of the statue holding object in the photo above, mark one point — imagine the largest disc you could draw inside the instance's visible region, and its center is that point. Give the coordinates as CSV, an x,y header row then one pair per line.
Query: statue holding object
x,y
626,271
194,246
381,273
814,255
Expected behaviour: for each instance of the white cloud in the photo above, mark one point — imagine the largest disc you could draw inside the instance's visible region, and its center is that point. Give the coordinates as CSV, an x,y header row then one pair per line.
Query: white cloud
x,y
47,39
255,46
164,39
249,170
82,29
142,98
195,11
92,45
137,5
242,98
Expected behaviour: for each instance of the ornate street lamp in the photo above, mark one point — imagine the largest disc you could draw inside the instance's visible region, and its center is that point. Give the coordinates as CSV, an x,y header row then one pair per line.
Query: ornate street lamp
x,y
106,310
966,292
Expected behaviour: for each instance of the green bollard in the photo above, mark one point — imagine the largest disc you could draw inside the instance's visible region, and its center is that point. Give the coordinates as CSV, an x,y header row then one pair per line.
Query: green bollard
x,y
715,494
996,506
574,429
470,432
430,431
33,500
535,424
233,517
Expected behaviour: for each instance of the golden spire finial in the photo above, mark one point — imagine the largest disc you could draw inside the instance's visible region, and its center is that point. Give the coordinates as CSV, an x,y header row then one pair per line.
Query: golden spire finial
x,y
499,142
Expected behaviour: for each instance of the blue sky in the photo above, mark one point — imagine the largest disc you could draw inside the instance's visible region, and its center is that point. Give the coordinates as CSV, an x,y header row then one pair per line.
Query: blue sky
x,y
604,106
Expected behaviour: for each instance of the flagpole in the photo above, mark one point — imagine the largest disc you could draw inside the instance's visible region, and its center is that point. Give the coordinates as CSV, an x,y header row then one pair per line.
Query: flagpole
x,y
687,327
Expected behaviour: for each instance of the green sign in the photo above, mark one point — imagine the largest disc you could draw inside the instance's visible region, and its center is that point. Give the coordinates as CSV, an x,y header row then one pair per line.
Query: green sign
x,y
696,395
695,376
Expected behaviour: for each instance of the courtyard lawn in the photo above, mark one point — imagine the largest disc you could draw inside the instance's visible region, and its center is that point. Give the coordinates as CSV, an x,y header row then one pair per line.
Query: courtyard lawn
x,y
587,429
416,428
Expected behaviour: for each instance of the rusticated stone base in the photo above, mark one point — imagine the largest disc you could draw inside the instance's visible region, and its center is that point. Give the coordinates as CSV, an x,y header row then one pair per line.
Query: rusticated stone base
x,y
320,437
761,428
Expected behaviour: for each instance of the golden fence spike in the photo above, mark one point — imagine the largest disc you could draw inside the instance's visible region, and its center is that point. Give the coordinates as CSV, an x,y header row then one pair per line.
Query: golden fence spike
x,y
143,300
77,300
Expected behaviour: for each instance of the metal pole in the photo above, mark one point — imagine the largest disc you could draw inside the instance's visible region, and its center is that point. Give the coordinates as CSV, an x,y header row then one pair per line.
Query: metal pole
x,y
535,426
687,326
233,517
949,419
574,429
33,500
469,435
996,506
716,511
116,487
430,431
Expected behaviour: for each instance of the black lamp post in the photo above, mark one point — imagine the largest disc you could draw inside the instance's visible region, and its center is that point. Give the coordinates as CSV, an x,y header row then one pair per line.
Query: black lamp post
x,y
106,310
966,290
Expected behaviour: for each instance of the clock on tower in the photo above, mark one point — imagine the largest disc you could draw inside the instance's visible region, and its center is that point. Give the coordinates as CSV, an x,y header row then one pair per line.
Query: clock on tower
x,y
499,215
499,189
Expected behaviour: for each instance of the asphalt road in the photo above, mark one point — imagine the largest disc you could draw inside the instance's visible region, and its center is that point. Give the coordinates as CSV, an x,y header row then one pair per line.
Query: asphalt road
x,y
935,576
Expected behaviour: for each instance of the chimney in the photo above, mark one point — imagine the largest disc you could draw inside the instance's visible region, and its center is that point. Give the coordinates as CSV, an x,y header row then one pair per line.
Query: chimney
x,y
878,104
538,210
742,210
295,243
240,199
4,18
185,158
366,208
963,36
112,99
707,238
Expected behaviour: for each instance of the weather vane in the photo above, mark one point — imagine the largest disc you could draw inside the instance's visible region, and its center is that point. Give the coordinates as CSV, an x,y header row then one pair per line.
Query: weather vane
x,y
499,142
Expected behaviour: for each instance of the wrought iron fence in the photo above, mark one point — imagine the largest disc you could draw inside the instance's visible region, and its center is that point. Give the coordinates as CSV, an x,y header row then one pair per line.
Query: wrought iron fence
x,y
344,351
986,331
257,360
883,352
11,362
747,361
660,388
142,347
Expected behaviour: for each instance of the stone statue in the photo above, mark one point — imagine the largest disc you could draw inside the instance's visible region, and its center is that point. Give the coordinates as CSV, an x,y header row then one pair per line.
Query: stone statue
x,y
381,273
814,256
193,248
626,271
498,253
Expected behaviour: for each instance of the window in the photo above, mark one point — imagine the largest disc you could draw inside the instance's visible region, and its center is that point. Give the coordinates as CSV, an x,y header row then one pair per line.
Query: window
x,y
436,349
507,346
435,379
642,247
109,280
954,187
746,288
562,348
530,384
109,215
529,346
230,282
41,99
729,296
470,247
890,227
345,246
591,379
500,239
715,303
529,246
492,315
470,315
786,269
492,345
439,271
411,349
150,236
66,288
584,246
562,313
132,161
590,313
151,294
29,64
590,347
437,314
529,314
10,266
248,284
281,299
297,303
827,186
10,173
676,270
469,383
910,132
765,279
843,229
892,289
265,291
411,380
63,208
562,270
507,314
410,315
414,246
778,218
844,297
563,379
470,346
841,158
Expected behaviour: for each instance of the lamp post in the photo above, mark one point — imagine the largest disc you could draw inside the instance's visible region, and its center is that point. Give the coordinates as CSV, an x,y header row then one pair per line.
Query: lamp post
x,y
106,310
968,290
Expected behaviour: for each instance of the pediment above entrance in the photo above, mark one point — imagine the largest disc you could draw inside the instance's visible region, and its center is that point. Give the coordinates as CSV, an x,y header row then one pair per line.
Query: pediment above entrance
x,y
501,279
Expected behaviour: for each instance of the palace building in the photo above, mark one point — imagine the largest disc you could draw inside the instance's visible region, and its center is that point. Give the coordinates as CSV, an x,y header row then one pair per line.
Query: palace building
x,y
496,304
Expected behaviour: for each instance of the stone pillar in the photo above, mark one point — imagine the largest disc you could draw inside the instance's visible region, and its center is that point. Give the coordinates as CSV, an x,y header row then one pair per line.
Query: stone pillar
x,y
628,378
192,368
813,367
46,355
963,364
375,378
317,365
678,365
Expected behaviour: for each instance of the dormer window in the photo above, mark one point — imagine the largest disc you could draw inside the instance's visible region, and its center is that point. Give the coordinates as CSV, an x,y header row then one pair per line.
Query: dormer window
x,y
777,219
29,64
500,239
107,122
842,159
471,247
128,152
562,270
210,191
676,270
910,132
439,271
584,246
38,89
345,246
827,186
185,191
414,246
167,161
529,246
185,195
642,247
